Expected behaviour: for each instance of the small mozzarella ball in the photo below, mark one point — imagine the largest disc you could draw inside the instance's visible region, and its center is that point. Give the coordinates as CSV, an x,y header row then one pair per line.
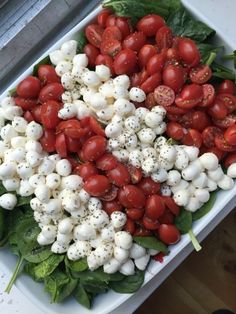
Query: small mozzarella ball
x,y
127,268
160,175
159,143
168,152
16,155
190,172
82,109
211,185
99,219
141,113
120,254
63,167
79,213
77,73
19,124
137,94
165,164
118,219
120,92
53,181
123,107
7,102
107,89
159,110
231,171
200,181
209,161
161,128
64,238
72,182
191,151
112,266
94,204
103,72
191,189
11,112
66,97
84,232
196,163
122,80
91,79
135,158
68,111
66,225
165,190
137,251
132,124
53,207
49,232
68,81
75,93
7,170
25,188
92,261
226,183
36,205
146,135
84,196
18,141
183,185
108,234
63,67
152,252
46,167
43,193
193,204
113,130
153,119
173,178
113,144
59,248
8,132
33,158
149,152
68,49
56,194
33,145
36,180
182,159
105,114
149,165
202,195
96,242
181,197
104,253
141,263
41,218
56,56
123,239
81,249
8,201
42,240
4,146
24,170
71,202
81,60
122,155
34,131
98,102
11,184
216,174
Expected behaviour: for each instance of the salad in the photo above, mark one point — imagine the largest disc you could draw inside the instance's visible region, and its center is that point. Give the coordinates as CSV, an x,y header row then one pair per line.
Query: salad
x,y
114,145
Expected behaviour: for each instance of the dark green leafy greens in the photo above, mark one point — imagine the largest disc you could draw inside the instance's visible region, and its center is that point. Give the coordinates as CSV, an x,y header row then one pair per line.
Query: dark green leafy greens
x,y
129,284
81,41
82,296
201,212
151,243
45,60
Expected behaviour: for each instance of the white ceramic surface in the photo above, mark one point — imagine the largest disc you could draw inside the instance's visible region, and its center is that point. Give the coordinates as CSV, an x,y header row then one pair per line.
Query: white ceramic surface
x,y
119,303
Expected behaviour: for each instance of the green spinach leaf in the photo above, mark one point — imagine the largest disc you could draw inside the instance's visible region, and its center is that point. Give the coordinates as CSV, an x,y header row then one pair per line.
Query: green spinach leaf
x,y
23,200
66,290
45,60
116,277
2,223
81,40
184,221
206,49
129,284
2,189
12,92
54,282
151,243
77,266
82,296
205,208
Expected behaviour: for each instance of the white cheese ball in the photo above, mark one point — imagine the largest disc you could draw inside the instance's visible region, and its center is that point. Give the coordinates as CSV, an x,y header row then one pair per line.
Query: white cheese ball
x,y
103,253
59,248
25,189
191,151
71,202
226,183
68,81
141,262
190,172
193,204
11,185
79,250
160,175
4,146
63,167
98,101
150,165
181,197
63,67
77,73
211,185
123,107
7,170
33,158
53,181
173,178
112,266
136,158
159,110
49,232
64,238
46,166
99,219
33,145
159,143
118,219
68,49
107,89
66,225
113,144
41,218
103,72
132,124
146,135
9,113
8,132
42,192
36,179
122,80
84,196
53,207
105,114
149,152
161,128
141,113
202,195
113,130
168,152
84,232
7,102
137,251
183,185
164,163
108,234
120,254
79,213
72,182
123,239
18,141
56,56
24,170
200,181
209,161
94,204
68,111
127,268
36,205
153,119
231,171
137,94
120,92
165,190
216,174
8,201
122,155
81,60
34,131
91,79
182,159
42,240
92,261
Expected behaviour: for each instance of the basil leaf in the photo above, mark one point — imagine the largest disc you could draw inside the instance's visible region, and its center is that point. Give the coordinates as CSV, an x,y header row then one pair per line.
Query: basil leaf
x,y
151,243
82,296
77,266
184,221
201,212
129,284
81,40
45,60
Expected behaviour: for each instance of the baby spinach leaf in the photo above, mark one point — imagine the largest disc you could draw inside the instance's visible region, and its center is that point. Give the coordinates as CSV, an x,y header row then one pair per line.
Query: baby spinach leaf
x,y
81,40
38,254
129,284
23,200
96,276
151,243
206,49
82,296
2,223
45,60
116,277
184,221
15,274
77,266
54,282
205,208
2,189
66,290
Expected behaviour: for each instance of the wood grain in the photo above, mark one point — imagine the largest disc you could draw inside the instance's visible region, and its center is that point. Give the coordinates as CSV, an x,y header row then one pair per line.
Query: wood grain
x,y
205,281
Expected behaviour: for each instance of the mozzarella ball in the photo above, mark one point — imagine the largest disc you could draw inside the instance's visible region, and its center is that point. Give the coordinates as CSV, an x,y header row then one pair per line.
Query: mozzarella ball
x,y
159,143
152,252
46,167
132,124
91,79
64,238
123,107
63,67
94,204
68,49
99,219
137,94
181,197
53,181
43,193
211,185
160,175
8,201
66,225
72,182
122,155
200,181
18,141
68,111
63,167
36,180
98,101
182,159
135,158
81,60
10,112
53,207
113,130
168,152
122,80
108,234
146,135
231,171
59,248
113,144
106,113
49,232
165,190
92,261
68,81
11,184
84,196
79,213
103,253
120,254
137,251
4,146
127,268
7,170
8,132
153,119
34,131
24,170
56,56
42,240
25,188
112,266
141,262
193,204
33,145
216,174
173,178
165,163
103,72
33,158
160,110
41,218
84,232
71,202
160,129
191,151
209,161
226,183
36,205
202,195
149,165
141,113
107,89
190,172
123,239
7,102
118,219
66,97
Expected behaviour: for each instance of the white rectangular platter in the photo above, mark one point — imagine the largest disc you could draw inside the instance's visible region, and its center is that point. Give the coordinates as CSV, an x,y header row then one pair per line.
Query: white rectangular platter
x,y
112,302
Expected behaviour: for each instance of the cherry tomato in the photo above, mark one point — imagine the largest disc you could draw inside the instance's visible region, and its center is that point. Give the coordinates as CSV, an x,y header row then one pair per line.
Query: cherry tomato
x,y
145,54
174,77
67,124
49,114
229,160
74,163
47,74
220,155
175,130
222,145
124,25
94,148
119,176
166,218
48,141
218,110
75,133
155,63
135,80
192,138
151,83
135,213
174,110
125,62
209,134
36,113
106,60
60,145
142,232
150,24
111,206
51,91
26,103
86,170
164,37
230,135
91,52
135,174
227,87
94,33
229,101
112,32
97,185
150,224
134,41
168,234
110,195
150,101
96,127
130,226
189,52
171,205
28,116
102,17
110,47
135,196
73,145
196,119
29,87
200,74
123,199
155,207
172,55
148,186
208,95
229,120
164,95
106,162
190,96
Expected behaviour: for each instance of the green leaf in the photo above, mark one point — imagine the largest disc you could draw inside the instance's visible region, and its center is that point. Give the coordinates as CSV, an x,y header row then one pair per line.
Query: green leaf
x,y
12,92
201,212
194,241
45,60
81,40
116,277
82,296
151,243
15,274
2,189
2,223
66,290
97,276
206,49
129,284
184,221
23,200
54,282
77,266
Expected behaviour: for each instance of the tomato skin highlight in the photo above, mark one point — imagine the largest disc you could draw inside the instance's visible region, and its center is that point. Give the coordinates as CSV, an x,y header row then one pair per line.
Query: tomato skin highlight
x,y
135,213
145,54
134,41
96,185
150,24
86,170
148,186
230,135
175,130
135,196
94,148
125,62
168,234
189,52
119,176
155,63
49,114
106,162
218,110
228,87
173,76
51,91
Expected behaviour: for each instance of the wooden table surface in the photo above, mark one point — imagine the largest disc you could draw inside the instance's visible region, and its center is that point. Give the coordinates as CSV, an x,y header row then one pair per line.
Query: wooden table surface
x,y
205,281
